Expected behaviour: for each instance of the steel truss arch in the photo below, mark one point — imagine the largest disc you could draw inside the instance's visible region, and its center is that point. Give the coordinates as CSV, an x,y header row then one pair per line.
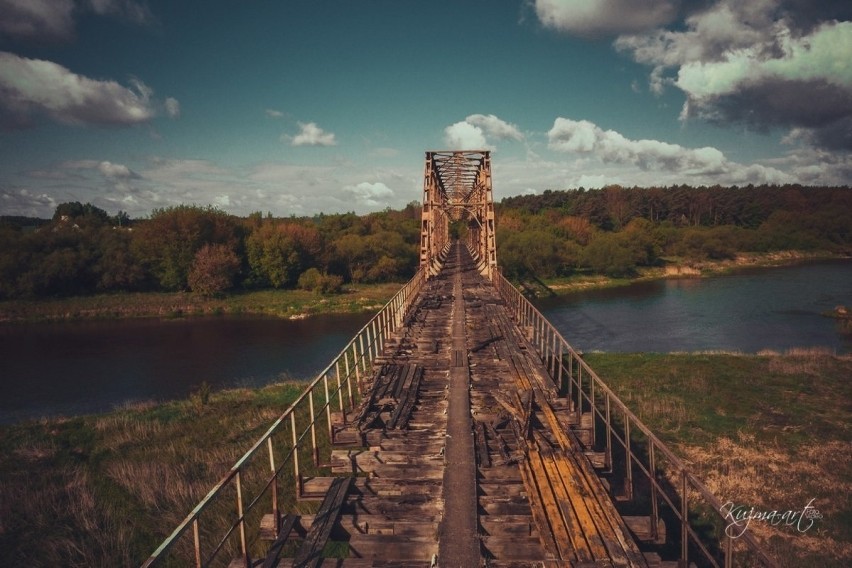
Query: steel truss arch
x,y
457,187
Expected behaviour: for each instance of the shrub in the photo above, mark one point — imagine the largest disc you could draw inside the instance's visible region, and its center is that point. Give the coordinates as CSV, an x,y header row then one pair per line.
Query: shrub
x,y
321,283
213,270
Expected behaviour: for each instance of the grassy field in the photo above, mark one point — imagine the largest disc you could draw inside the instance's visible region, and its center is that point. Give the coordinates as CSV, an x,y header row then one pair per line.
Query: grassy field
x,y
105,490
279,303
771,431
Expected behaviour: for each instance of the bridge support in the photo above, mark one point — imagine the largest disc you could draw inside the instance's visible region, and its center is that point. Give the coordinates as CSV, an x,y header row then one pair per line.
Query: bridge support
x,y
457,190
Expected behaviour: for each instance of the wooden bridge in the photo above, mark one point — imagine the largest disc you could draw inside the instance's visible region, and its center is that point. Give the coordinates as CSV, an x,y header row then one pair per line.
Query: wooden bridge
x,y
458,429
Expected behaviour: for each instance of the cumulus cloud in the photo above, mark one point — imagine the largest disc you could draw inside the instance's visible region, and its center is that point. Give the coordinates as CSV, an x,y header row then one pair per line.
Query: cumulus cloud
x,y
601,17
30,87
758,64
586,138
24,202
495,127
470,134
464,136
370,194
272,113
312,135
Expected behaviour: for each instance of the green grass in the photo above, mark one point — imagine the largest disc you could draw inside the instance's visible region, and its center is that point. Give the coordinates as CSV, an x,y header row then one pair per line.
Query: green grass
x,y
280,303
768,430
105,490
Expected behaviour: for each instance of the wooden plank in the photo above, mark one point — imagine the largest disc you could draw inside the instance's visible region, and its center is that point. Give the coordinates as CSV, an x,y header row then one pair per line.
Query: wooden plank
x,y
310,553
538,512
551,509
610,527
287,525
481,444
582,546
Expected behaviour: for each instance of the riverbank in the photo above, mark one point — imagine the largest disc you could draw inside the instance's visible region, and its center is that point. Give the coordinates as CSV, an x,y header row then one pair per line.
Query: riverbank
x,y
290,304
680,268
770,430
355,298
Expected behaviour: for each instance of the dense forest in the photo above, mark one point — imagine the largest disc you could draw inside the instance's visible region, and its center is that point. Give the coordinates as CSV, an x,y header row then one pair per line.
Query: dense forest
x,y
84,250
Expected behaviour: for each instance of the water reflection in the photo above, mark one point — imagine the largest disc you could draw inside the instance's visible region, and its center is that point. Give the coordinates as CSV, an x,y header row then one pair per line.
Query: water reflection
x,y
78,367
777,308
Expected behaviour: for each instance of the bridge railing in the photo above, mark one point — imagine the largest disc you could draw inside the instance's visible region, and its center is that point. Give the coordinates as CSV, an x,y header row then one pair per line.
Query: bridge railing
x,y
643,473
226,521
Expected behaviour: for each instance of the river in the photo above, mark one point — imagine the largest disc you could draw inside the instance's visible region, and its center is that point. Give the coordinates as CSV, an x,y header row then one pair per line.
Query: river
x,y
747,311
72,368
79,367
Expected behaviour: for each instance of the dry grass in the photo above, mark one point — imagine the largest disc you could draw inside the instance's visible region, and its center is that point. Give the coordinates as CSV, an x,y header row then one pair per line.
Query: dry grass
x,y
772,430
105,490
769,477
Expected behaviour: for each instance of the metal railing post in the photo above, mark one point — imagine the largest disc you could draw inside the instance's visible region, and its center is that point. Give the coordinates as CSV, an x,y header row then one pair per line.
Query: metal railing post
x,y
243,541
684,521
314,446
296,474
276,513
652,470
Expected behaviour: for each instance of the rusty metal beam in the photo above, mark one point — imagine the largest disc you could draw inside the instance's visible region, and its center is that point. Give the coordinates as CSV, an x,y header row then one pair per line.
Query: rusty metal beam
x,y
457,187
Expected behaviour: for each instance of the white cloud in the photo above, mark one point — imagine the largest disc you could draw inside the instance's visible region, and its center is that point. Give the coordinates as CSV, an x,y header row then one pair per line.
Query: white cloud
x,y
584,137
495,127
370,194
813,57
756,63
610,147
594,181
312,135
110,170
172,107
596,17
464,136
24,202
470,134
272,113
34,86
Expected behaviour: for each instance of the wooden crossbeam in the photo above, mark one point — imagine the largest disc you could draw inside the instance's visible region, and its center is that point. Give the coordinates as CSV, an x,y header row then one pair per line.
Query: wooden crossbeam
x,y
287,525
310,553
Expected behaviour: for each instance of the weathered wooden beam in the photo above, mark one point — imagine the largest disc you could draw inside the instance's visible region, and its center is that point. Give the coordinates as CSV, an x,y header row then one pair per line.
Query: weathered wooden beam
x,y
310,553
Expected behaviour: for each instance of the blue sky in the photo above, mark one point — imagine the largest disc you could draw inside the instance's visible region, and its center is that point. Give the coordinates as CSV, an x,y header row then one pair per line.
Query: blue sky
x,y
300,107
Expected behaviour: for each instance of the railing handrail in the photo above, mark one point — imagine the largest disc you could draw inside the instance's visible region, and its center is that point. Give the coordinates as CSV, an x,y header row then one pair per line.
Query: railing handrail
x,y
409,290
500,282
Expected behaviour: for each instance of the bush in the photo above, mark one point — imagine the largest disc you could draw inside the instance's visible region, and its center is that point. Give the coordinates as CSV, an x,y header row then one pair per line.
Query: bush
x,y
213,270
313,279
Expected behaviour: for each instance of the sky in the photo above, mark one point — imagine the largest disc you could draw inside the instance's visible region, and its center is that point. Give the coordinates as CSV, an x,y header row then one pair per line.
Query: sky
x,y
305,106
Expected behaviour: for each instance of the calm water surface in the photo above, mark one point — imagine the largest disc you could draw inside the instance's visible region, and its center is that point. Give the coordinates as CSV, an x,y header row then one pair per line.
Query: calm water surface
x,y
774,308
80,367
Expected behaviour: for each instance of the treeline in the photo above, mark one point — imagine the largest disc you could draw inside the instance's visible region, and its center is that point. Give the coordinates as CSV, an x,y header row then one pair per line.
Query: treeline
x,y
614,230
83,250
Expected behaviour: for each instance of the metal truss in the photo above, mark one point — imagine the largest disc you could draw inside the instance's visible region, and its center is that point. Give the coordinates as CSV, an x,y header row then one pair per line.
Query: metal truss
x,y
457,187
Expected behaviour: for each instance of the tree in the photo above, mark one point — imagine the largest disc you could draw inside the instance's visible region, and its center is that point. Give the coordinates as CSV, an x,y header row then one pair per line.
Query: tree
x,y
213,270
167,243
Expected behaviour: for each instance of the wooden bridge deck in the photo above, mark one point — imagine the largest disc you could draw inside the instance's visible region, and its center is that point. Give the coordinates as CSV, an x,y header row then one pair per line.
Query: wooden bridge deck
x,y
463,452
